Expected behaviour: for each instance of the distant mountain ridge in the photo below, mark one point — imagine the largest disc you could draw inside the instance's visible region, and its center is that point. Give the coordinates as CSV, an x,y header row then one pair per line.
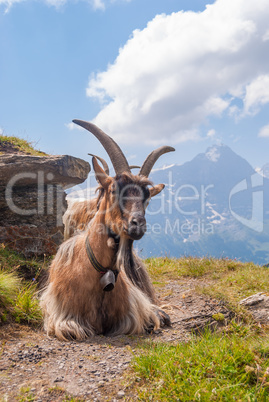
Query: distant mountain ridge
x,y
215,205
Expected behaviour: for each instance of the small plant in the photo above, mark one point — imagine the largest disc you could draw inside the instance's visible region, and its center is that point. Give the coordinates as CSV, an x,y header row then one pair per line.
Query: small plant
x,y
218,317
26,395
26,305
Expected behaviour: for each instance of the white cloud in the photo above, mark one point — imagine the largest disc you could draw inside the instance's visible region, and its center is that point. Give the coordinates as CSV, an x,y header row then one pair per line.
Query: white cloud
x,y
211,133
183,68
55,3
264,131
98,5
9,3
257,94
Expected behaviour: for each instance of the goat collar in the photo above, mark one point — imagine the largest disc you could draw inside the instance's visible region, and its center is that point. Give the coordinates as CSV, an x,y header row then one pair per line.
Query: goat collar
x,y
99,268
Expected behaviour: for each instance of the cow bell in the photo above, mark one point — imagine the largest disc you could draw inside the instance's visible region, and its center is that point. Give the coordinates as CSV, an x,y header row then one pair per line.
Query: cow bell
x,y
108,281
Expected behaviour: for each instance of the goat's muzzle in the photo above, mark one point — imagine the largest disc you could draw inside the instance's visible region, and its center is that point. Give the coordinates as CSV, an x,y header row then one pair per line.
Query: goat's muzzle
x,y
137,226
108,281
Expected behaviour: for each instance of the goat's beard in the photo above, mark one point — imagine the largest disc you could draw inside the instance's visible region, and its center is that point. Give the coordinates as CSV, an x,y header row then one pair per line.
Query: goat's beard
x,y
133,267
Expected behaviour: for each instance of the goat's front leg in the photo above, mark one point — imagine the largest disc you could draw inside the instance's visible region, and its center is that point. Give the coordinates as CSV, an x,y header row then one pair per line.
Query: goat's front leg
x,y
164,318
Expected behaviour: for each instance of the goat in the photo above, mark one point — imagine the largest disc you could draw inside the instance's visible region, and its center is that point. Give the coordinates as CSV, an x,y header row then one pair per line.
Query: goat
x,y
94,288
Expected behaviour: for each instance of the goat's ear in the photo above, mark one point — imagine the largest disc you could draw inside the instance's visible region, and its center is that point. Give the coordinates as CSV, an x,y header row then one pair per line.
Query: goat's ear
x,y
100,174
156,189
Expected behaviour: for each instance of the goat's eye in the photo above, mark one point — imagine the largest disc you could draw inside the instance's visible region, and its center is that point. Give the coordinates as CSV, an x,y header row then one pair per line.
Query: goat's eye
x,y
113,189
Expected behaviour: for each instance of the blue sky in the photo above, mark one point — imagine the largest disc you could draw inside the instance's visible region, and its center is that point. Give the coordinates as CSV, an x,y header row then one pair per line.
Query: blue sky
x,y
148,72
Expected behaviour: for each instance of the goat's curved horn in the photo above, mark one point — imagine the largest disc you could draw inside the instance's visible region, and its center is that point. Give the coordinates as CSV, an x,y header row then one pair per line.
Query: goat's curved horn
x,y
105,165
152,158
115,153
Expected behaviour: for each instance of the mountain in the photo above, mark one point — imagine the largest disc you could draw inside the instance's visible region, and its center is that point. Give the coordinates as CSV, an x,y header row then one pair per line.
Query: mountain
x,y
215,205
265,170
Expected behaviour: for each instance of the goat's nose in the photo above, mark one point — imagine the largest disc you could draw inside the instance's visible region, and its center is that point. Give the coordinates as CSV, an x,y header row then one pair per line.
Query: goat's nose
x,y
137,226
138,221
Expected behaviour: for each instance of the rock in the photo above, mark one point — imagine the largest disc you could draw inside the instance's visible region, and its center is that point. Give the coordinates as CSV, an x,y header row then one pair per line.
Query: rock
x,y
258,306
252,300
59,379
120,394
28,170
33,201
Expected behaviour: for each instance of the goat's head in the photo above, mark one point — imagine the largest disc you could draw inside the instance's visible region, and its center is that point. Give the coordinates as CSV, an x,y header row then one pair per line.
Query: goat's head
x,y
126,196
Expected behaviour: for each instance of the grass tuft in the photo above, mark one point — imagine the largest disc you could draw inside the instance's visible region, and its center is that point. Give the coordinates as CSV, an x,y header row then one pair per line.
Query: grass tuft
x,y
18,300
230,366
9,286
15,144
26,307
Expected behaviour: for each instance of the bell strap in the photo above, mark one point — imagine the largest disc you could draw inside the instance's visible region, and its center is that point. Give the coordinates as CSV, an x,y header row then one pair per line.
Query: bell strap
x,y
99,268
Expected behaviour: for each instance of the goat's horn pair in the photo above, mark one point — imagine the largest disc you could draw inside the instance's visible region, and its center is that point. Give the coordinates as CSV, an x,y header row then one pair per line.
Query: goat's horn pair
x,y
115,153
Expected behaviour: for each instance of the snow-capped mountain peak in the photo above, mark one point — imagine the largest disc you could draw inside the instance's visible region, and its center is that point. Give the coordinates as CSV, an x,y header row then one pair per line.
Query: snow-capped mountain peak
x,y
213,154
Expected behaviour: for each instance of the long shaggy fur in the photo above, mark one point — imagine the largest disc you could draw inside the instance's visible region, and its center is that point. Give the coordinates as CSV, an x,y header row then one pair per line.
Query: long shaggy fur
x,y
124,310
79,215
74,303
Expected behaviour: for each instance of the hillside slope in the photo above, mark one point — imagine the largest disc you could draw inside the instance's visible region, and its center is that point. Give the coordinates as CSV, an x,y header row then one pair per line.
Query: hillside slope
x,y
198,293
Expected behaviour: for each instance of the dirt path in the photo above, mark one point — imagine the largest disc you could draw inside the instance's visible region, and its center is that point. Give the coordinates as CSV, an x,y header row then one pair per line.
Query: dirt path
x,y
96,370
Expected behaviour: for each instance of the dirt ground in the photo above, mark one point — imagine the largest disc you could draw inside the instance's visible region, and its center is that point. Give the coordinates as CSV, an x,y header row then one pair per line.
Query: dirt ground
x,y
45,369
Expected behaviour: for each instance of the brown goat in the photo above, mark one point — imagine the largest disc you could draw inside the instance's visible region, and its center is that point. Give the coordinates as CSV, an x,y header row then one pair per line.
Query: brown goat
x,y
96,288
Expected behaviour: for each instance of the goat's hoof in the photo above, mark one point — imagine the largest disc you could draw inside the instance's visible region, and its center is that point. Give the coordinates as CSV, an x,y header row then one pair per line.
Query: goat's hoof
x,y
164,319
149,329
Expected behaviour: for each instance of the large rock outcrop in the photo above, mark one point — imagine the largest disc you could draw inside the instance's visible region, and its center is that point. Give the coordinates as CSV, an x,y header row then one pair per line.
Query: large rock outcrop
x,y
32,200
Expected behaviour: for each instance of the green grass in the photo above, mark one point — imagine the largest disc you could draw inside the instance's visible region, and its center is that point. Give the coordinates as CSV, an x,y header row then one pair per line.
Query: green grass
x,y
163,268
26,307
26,395
232,365
18,300
243,281
11,261
228,366
229,280
9,287
54,394
18,144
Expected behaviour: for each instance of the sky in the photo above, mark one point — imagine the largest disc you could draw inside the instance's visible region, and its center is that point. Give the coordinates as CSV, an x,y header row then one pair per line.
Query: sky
x,y
185,73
